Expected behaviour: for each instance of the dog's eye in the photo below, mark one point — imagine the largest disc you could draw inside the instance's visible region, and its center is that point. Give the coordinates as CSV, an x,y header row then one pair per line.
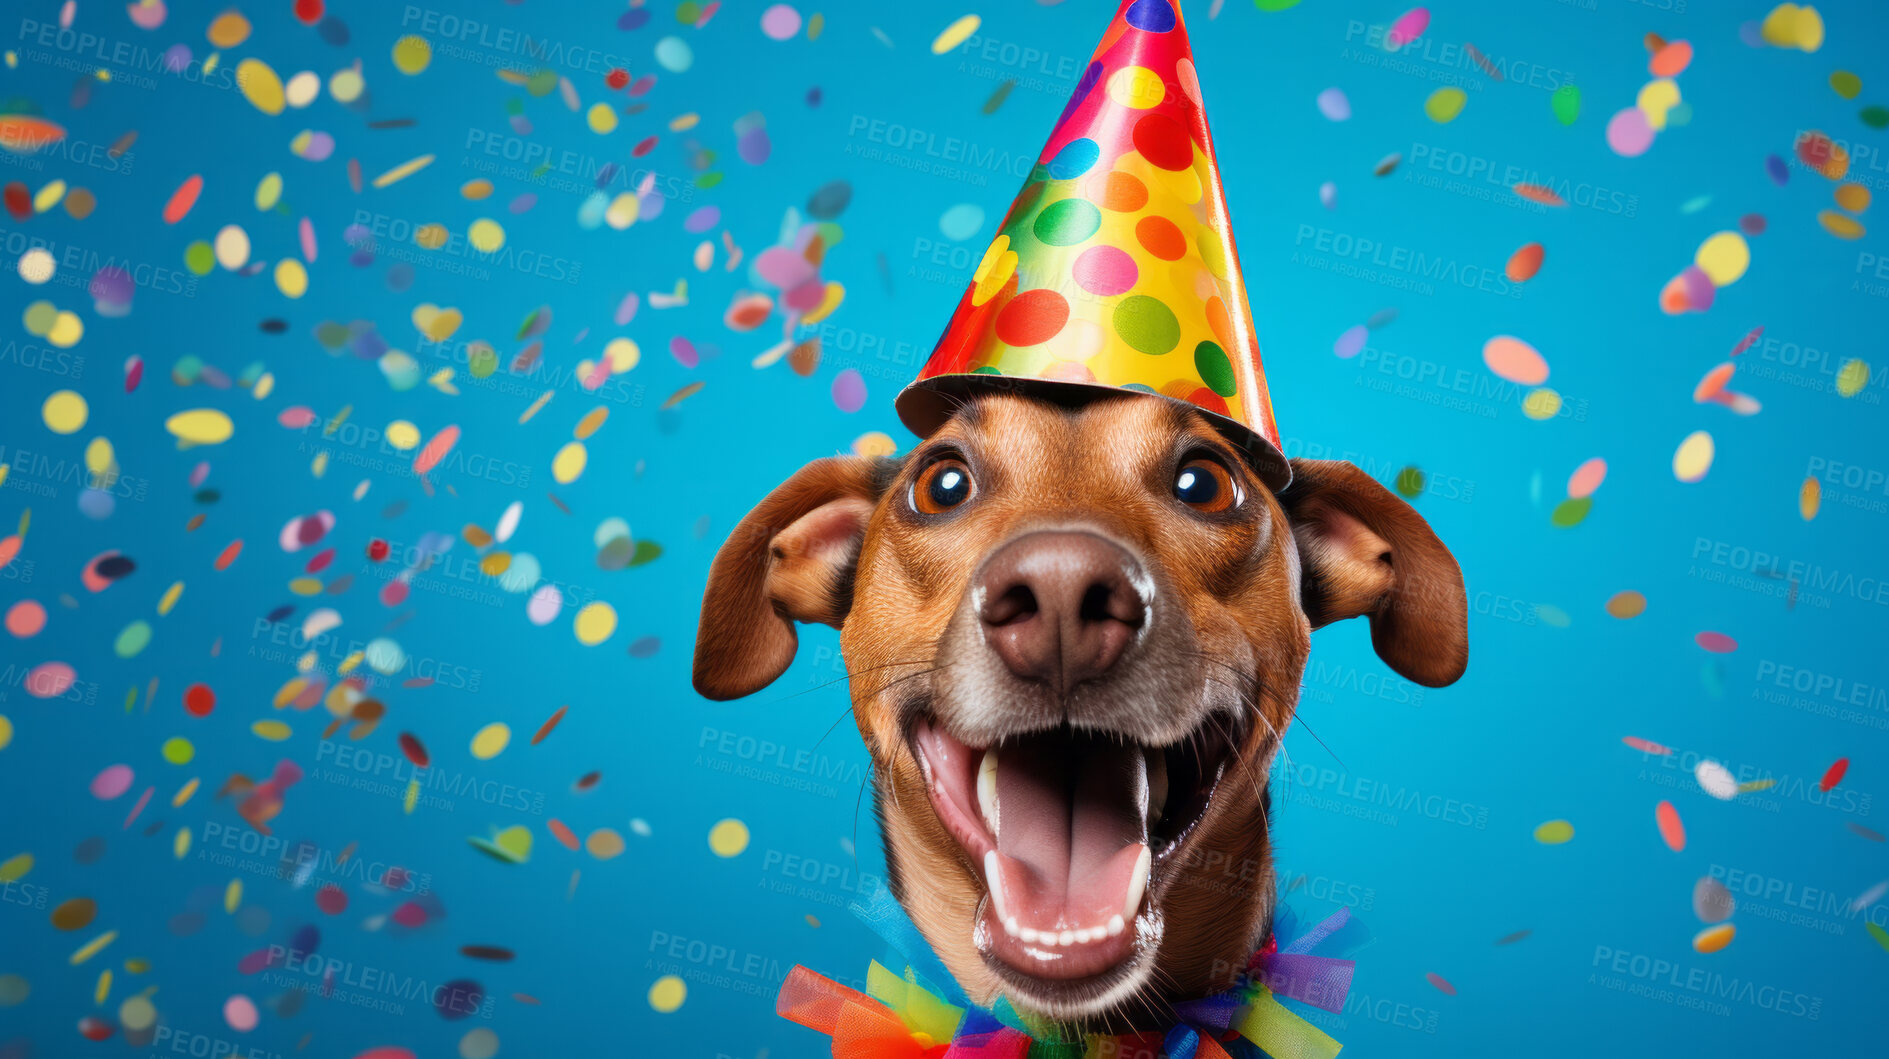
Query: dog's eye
x,y
941,486
1205,485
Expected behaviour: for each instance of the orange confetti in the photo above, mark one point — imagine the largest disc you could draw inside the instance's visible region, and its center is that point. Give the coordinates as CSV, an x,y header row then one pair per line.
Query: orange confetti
x,y
1670,60
1714,382
565,836
1524,263
435,450
545,728
229,555
1670,827
1538,193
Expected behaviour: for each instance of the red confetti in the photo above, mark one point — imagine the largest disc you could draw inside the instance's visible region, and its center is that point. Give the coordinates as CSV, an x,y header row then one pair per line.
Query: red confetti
x,y
331,899
199,700
309,12
183,199
1670,828
1442,984
410,914
1835,775
1746,342
377,549
416,752
229,555
617,77
562,832
545,728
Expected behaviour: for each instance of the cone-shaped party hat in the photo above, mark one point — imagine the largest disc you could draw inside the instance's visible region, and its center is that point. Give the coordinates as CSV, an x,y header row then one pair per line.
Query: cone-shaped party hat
x,y
1115,267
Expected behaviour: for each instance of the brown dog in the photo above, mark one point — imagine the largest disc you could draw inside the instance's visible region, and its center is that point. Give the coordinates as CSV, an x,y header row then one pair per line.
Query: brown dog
x,y
1075,633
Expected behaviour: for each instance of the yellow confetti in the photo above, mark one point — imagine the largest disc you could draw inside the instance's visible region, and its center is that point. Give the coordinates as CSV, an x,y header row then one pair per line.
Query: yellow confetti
x,y
402,435
64,412
14,868
1694,457
485,235
1809,499
728,838
569,463
1554,832
200,426
591,423
1541,403
274,731
1852,377
261,86
171,596
955,34
412,54
233,896
595,623
104,987
183,793
92,948
1444,104
291,278
413,795
602,118
180,846
403,171
491,741
668,993
1840,225
1723,258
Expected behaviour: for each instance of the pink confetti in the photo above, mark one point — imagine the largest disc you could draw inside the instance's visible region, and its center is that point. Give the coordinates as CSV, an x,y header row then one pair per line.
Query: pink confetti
x,y
1716,642
115,780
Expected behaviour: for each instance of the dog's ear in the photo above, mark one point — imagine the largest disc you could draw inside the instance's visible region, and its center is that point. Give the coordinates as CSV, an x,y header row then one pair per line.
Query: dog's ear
x,y
791,559
1364,552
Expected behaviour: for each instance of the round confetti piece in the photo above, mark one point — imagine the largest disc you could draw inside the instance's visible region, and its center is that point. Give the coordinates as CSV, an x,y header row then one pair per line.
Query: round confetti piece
x,y
544,605
1670,60
178,751
667,993
1694,457
26,618
261,86
412,54
1853,197
1723,257
36,266
1716,780
674,54
6,731
1627,604
602,118
1542,403
485,235
1711,901
49,680
1629,134
1554,832
112,782
479,1043
595,622
74,914
1852,377
1351,342
291,278
64,412
1524,263
728,838
1445,104
1571,512
780,22
1587,477
1515,360
1712,939
491,740
231,247
849,390
569,462
240,1013
604,844
1671,830
1566,103
1334,105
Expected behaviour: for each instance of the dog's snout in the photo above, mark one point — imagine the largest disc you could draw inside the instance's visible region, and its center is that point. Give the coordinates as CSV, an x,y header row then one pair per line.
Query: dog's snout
x,y
1060,606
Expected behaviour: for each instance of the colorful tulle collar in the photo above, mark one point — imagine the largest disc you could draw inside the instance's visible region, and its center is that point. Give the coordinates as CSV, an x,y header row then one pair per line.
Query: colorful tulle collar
x,y
904,1016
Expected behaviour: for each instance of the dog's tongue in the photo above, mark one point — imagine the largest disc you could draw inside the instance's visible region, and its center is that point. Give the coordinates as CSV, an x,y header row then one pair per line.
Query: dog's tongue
x,y
1071,830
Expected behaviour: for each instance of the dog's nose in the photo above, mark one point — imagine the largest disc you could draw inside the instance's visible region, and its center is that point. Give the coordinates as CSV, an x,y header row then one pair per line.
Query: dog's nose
x,y
1060,606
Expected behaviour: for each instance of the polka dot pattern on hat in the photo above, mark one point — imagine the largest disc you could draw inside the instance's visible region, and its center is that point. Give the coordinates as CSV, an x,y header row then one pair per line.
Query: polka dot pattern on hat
x,y
1115,264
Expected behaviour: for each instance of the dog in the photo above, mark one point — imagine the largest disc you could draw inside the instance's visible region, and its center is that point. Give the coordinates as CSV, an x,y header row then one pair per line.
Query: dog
x,y
1075,631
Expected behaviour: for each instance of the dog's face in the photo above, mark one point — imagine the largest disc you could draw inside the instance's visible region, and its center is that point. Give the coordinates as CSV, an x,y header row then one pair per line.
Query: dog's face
x,y
1075,638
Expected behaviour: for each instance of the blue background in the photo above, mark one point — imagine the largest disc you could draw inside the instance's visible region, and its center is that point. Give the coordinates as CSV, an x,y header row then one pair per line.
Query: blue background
x,y
1532,733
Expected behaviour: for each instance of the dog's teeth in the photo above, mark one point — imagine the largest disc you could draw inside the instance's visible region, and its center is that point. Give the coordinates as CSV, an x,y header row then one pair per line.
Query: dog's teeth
x,y
987,789
1084,935
1116,926
1010,926
1157,785
1027,935
995,881
1067,937
1137,885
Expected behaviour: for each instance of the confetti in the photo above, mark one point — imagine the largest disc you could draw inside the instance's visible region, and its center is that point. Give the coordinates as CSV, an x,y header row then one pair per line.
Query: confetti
x,y
1671,831
728,838
955,34
1554,832
1714,938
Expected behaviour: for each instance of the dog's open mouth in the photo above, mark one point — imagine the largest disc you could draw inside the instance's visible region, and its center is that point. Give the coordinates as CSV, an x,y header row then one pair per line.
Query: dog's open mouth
x,y
1070,830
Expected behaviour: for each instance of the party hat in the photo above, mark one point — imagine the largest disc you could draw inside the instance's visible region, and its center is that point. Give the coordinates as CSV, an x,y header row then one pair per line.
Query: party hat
x,y
1115,267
